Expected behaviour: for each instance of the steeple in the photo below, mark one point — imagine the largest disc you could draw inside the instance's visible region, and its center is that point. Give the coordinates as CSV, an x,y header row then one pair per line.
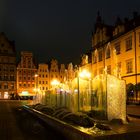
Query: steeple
x,y
99,21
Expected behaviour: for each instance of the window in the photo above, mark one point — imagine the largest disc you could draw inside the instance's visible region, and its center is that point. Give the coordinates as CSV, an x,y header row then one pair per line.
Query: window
x,y
5,86
46,75
46,88
100,57
109,69
129,66
139,38
39,82
42,82
46,82
128,44
19,85
101,71
95,57
139,64
108,53
42,88
95,72
117,48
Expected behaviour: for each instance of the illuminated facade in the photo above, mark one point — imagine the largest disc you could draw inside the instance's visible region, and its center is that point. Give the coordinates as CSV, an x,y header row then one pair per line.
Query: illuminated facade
x,y
116,49
7,67
43,77
26,71
119,52
54,71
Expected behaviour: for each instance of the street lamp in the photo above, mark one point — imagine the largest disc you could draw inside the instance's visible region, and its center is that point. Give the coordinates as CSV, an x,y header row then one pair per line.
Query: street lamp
x,y
36,87
86,75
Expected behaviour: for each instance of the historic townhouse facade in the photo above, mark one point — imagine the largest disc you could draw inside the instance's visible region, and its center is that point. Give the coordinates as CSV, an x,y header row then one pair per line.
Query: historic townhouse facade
x,y
54,72
7,67
116,49
43,77
26,75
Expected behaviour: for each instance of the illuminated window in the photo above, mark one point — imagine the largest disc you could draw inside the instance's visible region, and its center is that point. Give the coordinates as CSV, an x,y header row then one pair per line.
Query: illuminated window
x,y
129,66
117,47
101,71
128,43
108,53
95,72
94,57
100,56
139,38
5,86
109,69
139,64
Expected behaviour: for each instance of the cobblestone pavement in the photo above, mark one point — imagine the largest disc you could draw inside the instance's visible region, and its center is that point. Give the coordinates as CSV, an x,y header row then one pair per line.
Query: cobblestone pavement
x,y
8,126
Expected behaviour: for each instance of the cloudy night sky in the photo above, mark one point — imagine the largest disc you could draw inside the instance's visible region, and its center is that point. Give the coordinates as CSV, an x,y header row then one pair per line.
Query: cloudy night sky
x,y
58,29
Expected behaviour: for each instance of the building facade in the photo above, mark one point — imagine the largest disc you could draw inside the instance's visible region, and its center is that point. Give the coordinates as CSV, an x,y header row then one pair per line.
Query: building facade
x,y
7,67
116,49
26,75
43,77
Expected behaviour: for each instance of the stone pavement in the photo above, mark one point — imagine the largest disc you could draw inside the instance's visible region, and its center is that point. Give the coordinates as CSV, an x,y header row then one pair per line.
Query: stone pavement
x,y
8,126
133,110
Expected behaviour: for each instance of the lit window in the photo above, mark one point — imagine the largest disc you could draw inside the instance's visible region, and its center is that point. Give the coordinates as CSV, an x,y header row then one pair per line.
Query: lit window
x,y
129,66
108,53
100,56
139,64
94,57
117,47
128,42
139,38
101,71
109,69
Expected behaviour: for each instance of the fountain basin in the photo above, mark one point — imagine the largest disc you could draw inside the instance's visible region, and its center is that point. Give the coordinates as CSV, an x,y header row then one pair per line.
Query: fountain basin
x,y
71,132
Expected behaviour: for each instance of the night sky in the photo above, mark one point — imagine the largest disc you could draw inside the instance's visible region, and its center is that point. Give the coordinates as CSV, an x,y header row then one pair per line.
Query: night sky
x,y
58,29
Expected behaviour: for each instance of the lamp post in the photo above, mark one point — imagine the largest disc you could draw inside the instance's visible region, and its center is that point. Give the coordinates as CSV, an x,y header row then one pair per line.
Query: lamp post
x,y
84,74
36,88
